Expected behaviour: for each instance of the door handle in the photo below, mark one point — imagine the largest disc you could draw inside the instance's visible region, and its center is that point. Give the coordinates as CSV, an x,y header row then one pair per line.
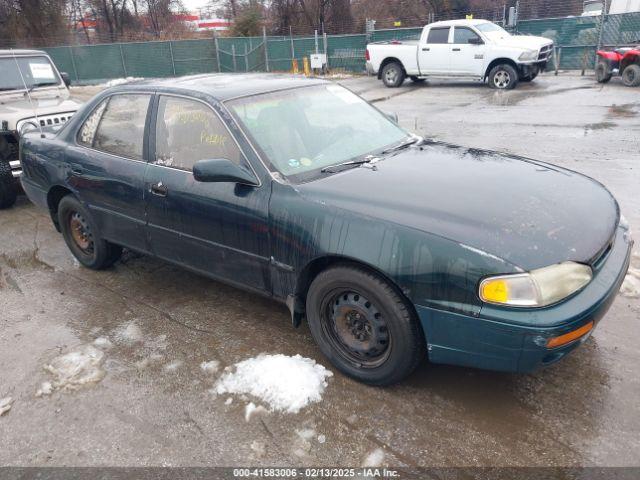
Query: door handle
x,y
159,189
455,49
426,49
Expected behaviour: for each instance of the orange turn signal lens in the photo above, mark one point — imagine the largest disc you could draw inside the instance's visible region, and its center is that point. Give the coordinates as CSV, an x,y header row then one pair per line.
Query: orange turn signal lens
x,y
555,342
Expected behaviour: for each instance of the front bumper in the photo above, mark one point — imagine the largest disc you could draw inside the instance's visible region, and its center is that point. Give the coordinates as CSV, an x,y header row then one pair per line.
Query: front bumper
x,y
514,340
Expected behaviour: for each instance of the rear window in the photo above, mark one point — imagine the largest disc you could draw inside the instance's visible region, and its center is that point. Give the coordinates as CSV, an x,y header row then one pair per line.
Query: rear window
x,y
438,35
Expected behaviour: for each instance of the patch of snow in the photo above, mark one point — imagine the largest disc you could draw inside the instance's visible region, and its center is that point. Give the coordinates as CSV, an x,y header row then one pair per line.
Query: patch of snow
x,y
306,434
228,401
630,287
5,405
251,410
285,383
45,389
173,366
322,439
120,81
75,369
158,343
103,342
258,448
210,367
374,458
129,333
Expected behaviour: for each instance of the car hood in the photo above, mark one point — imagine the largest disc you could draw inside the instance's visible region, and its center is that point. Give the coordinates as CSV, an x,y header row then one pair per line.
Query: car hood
x,y
523,41
528,213
17,107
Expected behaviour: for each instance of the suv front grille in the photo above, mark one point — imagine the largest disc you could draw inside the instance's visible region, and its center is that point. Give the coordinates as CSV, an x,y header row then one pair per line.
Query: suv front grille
x,y
545,52
46,120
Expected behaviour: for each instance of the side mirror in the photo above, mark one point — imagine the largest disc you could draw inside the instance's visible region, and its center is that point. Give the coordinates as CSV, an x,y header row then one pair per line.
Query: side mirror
x,y
392,116
221,170
475,41
66,78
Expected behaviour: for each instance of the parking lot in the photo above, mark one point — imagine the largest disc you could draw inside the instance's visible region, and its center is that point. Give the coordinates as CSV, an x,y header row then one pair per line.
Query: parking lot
x,y
157,324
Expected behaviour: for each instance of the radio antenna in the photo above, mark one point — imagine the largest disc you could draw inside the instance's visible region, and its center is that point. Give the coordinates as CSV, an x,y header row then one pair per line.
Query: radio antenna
x,y
24,84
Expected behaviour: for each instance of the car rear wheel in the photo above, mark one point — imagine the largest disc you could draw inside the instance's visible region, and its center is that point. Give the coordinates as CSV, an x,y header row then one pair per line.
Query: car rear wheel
x,y
503,77
82,238
603,72
8,190
393,75
631,76
363,326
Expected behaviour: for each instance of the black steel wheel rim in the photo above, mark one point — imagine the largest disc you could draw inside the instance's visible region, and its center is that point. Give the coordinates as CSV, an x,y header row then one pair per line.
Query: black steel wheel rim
x,y
81,233
356,328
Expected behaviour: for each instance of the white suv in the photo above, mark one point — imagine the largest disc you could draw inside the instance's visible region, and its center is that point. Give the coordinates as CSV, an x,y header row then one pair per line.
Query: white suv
x,y
33,95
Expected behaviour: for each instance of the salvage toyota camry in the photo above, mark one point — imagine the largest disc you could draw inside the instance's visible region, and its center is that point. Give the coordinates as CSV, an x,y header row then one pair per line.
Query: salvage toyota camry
x,y
392,247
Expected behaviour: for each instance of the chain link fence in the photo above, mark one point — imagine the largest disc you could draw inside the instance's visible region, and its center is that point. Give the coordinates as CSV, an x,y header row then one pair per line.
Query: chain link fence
x,y
576,39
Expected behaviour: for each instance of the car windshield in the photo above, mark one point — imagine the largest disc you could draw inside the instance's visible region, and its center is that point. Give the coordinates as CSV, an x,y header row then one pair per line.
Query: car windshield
x,y
37,71
304,130
491,29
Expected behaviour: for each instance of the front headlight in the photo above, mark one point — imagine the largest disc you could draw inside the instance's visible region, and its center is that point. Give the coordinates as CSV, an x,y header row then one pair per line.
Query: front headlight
x,y
528,55
27,127
537,288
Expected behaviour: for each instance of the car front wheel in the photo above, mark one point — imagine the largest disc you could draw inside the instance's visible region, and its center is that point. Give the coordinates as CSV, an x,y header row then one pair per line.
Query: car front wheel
x,y
82,238
393,75
603,72
363,326
503,77
631,76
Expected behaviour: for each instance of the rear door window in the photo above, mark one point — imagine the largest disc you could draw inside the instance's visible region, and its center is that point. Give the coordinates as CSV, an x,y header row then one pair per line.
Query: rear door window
x,y
188,131
438,35
117,126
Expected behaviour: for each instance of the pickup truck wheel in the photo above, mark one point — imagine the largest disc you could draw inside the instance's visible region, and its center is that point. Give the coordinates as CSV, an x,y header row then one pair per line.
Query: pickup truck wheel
x,y
8,190
603,72
631,76
82,238
415,79
363,326
503,77
393,75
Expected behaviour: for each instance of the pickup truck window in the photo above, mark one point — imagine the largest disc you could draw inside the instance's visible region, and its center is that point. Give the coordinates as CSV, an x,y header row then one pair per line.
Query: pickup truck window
x,y
438,35
462,35
121,128
188,131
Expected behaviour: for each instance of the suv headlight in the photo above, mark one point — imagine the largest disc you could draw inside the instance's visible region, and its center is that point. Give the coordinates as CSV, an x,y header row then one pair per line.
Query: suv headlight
x,y
537,288
27,127
528,55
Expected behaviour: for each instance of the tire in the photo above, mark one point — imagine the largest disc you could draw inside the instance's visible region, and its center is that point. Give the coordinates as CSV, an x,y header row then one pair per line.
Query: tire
x,y
503,77
603,72
393,75
415,79
631,76
82,237
363,326
8,190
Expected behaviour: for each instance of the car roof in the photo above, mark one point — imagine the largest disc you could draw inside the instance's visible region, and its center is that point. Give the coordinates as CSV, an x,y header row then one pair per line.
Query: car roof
x,y
462,22
11,52
225,86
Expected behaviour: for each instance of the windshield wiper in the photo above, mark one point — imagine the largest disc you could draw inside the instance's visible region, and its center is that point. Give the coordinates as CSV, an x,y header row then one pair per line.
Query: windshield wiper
x,y
403,145
344,165
41,84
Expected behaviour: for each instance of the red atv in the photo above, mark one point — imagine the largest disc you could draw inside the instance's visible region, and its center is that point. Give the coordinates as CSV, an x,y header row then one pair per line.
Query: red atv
x,y
623,61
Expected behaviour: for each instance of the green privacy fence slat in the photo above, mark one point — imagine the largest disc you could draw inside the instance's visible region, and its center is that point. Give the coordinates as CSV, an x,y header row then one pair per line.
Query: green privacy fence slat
x,y
578,38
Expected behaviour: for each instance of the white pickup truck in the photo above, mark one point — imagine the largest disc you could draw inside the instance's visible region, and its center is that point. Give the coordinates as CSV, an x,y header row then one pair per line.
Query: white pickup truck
x,y
474,49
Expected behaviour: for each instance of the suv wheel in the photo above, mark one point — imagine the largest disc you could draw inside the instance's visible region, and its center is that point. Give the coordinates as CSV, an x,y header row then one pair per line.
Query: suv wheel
x,y
503,77
363,326
8,190
631,76
393,75
82,238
